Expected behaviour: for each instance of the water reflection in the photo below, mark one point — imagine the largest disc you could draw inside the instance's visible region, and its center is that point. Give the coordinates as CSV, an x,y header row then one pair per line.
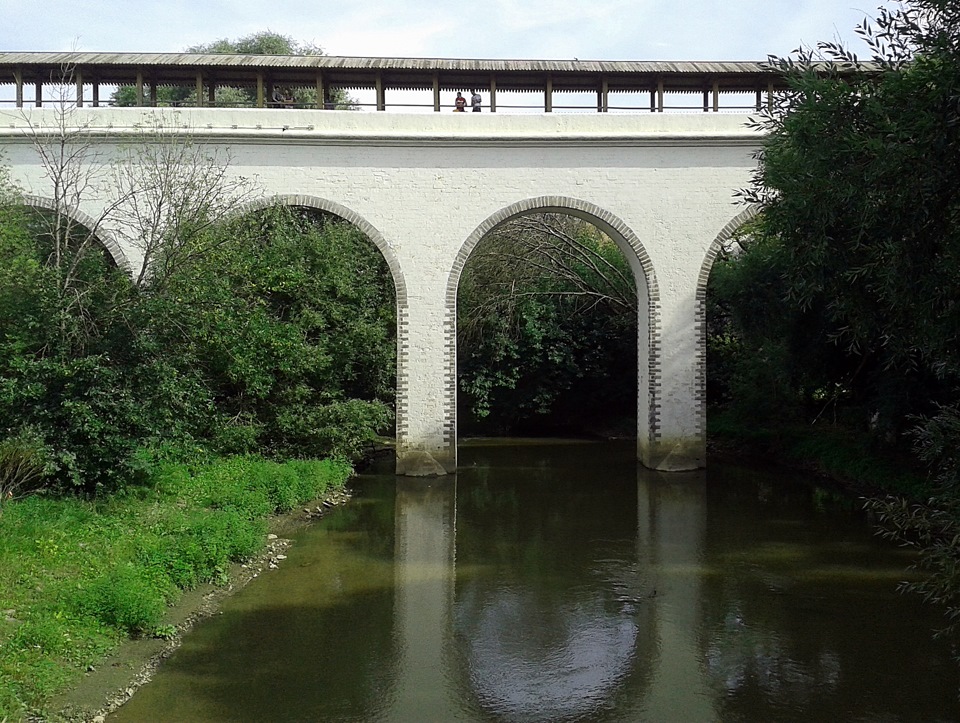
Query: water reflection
x,y
671,524
560,582
424,563
799,620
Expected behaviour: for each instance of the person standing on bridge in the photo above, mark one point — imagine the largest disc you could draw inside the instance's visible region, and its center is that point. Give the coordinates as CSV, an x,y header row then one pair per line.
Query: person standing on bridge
x,y
475,100
460,105
282,97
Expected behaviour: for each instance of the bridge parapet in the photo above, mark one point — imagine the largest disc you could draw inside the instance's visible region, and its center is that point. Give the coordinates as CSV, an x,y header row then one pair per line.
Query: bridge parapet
x,y
238,123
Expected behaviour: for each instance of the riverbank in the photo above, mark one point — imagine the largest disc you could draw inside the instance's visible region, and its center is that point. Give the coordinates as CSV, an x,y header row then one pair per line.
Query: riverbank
x,y
841,456
96,593
133,664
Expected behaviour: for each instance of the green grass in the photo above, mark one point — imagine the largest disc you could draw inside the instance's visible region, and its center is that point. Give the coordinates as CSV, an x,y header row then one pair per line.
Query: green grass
x,y
77,577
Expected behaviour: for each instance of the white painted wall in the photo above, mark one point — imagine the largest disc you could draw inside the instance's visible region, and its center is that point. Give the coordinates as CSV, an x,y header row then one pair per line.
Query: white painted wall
x,y
427,187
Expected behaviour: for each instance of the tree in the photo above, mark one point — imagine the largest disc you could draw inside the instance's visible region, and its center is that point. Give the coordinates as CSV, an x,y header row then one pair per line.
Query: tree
x,y
865,219
546,328
260,43
170,191
75,170
62,389
859,189
195,348
287,324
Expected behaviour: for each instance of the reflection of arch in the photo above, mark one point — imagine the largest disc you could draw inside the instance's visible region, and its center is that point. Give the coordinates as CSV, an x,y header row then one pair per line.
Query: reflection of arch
x,y
517,661
700,319
646,282
104,237
368,229
523,647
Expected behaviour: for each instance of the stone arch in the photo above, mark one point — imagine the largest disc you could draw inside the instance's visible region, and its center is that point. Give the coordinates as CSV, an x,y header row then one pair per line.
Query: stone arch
x,y
102,235
368,229
648,323
700,319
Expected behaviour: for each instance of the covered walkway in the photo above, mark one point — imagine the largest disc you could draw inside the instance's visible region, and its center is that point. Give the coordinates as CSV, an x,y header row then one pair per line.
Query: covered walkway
x,y
413,84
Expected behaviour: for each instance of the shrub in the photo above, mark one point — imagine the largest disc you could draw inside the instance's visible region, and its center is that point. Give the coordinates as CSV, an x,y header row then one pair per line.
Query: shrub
x,y
23,464
127,598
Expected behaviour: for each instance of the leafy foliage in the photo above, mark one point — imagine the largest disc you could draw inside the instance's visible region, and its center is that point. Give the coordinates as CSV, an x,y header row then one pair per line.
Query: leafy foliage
x,y
59,381
771,361
260,43
272,334
287,322
866,222
547,329
857,250
22,467
856,246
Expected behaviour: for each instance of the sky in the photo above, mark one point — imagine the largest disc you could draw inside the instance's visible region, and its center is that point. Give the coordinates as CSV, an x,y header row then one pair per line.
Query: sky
x,y
502,29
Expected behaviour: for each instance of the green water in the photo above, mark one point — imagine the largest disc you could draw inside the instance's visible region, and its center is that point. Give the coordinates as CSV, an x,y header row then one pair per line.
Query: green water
x,y
554,581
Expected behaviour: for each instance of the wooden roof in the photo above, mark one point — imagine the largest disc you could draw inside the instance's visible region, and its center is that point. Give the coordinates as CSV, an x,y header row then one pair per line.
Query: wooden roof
x,y
398,73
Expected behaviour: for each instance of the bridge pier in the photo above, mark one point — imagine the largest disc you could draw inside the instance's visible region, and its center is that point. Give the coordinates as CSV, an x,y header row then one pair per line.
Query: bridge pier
x,y
671,434
426,386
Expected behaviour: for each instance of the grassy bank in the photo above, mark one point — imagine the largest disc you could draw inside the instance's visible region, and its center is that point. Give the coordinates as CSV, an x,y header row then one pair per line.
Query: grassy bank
x,y
77,577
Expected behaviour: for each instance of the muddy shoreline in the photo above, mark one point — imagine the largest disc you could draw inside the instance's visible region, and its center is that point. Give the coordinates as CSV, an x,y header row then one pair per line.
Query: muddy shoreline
x,y
117,678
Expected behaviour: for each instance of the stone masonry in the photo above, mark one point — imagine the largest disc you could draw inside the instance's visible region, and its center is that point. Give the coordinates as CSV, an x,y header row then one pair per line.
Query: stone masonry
x,y
426,188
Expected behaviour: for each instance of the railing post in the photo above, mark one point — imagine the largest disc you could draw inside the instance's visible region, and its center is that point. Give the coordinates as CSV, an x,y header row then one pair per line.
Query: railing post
x,y
18,79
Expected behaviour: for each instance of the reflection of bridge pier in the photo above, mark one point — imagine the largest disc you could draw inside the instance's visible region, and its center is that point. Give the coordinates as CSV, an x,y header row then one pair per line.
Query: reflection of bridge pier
x,y
424,549
671,521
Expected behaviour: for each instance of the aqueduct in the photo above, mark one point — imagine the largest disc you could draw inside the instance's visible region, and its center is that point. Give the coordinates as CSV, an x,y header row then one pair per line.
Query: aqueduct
x,y
427,187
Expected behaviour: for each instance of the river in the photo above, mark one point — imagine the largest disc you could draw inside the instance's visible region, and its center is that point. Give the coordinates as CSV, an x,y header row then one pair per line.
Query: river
x,y
560,581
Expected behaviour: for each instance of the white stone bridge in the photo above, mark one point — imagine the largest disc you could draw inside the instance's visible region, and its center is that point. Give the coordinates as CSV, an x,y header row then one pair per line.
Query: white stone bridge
x,y
426,188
